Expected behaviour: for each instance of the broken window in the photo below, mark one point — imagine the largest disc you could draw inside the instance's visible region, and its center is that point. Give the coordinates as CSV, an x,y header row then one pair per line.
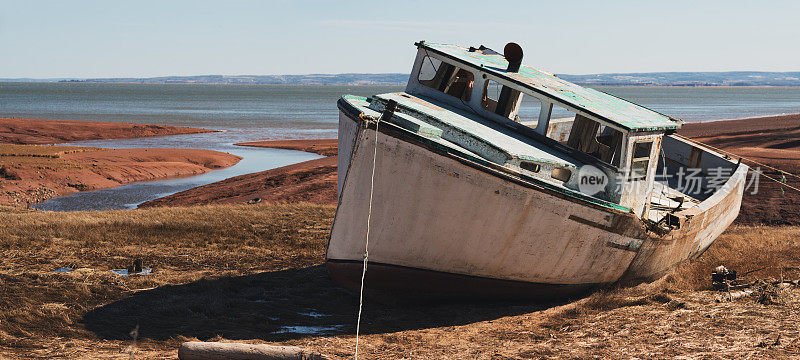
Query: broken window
x,y
610,141
560,126
595,139
491,92
529,111
428,70
446,78
586,135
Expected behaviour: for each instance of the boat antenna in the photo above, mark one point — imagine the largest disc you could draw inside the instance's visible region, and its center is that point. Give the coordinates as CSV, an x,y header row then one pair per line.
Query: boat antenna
x,y
388,112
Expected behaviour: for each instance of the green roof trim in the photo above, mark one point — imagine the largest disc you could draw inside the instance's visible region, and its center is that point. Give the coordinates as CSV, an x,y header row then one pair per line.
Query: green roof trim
x,y
605,107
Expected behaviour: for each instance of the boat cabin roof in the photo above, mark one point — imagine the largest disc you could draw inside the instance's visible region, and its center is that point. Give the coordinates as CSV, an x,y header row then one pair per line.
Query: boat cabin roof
x,y
605,107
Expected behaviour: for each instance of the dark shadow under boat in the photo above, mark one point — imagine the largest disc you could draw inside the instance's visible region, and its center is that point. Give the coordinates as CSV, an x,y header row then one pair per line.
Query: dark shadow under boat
x,y
276,306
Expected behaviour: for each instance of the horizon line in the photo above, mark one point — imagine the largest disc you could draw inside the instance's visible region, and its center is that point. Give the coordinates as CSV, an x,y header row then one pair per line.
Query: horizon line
x,y
382,73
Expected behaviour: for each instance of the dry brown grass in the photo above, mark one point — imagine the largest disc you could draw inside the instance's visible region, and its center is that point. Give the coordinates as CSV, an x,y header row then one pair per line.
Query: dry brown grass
x,y
182,245
246,273
767,251
277,235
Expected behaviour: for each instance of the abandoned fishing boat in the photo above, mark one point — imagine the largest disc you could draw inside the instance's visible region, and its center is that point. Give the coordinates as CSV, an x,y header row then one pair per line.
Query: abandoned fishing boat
x,y
488,178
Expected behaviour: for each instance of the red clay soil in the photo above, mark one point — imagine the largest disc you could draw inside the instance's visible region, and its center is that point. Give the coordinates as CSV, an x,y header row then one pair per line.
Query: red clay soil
x,y
39,131
772,140
34,173
311,181
326,147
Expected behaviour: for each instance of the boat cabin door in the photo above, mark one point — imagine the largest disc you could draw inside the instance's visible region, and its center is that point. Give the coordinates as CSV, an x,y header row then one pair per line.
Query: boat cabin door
x,y
642,158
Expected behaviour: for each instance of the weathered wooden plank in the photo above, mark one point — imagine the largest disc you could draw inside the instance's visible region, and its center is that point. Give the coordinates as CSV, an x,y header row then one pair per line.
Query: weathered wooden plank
x,y
198,350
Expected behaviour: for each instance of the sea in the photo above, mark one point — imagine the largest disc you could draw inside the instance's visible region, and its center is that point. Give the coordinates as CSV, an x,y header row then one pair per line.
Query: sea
x,y
256,112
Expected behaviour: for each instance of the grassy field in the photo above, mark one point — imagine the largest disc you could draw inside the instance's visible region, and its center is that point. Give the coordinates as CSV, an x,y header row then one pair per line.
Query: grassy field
x,y
253,273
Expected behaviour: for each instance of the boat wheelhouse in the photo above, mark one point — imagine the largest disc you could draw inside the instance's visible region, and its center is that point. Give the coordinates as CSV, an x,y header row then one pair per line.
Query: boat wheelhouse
x,y
494,179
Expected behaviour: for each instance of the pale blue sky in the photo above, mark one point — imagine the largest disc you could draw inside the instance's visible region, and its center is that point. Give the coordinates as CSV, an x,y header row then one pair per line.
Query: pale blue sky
x,y
157,38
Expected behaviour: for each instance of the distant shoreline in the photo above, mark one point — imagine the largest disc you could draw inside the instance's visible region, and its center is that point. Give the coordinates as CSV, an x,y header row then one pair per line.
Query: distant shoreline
x,y
679,79
398,84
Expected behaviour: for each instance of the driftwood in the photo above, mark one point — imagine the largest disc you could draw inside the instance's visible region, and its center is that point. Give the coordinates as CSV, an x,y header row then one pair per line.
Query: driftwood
x,y
198,350
739,294
736,291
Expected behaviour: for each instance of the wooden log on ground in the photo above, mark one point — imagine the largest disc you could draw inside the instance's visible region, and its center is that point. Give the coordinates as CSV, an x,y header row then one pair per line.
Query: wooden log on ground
x,y
733,295
740,294
198,350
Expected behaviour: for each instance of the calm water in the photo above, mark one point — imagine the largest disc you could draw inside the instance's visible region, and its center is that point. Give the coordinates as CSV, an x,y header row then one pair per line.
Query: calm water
x,y
279,111
252,112
258,112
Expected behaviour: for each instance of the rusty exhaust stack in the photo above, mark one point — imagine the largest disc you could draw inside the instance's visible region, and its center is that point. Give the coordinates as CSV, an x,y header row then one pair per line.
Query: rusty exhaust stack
x,y
513,54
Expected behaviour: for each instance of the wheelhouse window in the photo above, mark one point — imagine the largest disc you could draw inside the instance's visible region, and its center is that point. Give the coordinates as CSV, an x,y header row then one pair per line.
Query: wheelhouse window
x,y
610,145
640,159
491,93
529,111
491,96
586,135
561,123
447,78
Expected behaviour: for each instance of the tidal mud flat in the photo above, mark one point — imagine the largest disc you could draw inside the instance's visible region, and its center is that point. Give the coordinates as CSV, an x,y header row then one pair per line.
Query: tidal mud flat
x,y
309,181
31,172
42,131
773,141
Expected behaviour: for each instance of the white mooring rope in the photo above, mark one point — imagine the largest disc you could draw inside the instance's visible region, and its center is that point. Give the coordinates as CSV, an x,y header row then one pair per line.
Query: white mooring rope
x,y
366,245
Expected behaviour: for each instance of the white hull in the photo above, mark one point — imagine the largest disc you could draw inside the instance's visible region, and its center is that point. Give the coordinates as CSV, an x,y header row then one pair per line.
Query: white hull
x,y
433,211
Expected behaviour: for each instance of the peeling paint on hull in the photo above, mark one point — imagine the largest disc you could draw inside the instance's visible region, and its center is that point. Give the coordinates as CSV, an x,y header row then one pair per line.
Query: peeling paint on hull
x,y
433,214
